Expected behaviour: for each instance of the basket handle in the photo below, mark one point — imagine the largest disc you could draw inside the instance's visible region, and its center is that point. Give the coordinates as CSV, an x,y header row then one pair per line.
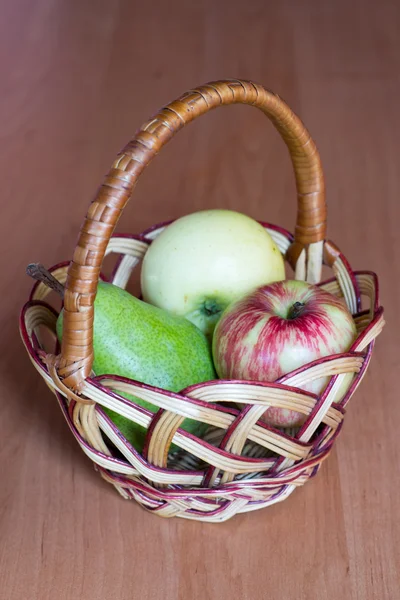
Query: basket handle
x,y
76,358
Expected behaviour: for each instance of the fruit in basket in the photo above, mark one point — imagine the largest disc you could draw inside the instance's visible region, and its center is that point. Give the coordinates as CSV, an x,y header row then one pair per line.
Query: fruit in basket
x,y
204,261
139,341
277,329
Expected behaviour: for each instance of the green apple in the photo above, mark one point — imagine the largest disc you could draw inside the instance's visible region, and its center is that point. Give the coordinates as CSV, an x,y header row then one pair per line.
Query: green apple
x,y
139,341
204,261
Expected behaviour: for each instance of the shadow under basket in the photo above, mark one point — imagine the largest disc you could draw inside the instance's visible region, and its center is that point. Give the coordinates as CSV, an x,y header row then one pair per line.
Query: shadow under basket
x,y
240,464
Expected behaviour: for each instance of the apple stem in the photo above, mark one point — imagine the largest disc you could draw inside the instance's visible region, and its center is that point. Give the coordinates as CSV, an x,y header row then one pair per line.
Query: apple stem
x,y
40,273
295,310
211,308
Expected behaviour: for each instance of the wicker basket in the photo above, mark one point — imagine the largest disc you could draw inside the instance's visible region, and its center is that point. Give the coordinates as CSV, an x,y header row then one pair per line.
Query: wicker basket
x,y
241,464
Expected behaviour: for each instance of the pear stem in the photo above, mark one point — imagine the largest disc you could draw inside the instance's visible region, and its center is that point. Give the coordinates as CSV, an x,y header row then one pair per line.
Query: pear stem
x,y
40,273
295,310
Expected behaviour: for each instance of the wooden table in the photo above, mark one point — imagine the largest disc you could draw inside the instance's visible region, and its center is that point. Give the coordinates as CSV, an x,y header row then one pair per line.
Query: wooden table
x,y
77,79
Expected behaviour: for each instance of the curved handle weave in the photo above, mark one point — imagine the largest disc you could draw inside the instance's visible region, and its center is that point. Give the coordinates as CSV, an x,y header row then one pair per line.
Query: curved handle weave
x,y
75,362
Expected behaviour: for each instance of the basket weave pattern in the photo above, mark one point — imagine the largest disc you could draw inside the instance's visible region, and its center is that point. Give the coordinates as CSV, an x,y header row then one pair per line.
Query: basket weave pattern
x,y
242,464
234,481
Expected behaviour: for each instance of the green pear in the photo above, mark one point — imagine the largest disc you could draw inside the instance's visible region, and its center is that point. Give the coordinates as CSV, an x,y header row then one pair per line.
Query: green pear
x,y
139,341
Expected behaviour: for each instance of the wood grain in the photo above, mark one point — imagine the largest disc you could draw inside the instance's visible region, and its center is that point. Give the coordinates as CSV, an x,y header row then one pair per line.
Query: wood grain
x,y
77,79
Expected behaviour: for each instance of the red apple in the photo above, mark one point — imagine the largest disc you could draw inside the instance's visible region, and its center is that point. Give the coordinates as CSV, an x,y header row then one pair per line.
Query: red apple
x,y
276,329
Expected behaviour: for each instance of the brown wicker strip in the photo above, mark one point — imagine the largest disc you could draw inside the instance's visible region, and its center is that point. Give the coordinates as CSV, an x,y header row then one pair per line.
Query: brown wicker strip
x,y
74,363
